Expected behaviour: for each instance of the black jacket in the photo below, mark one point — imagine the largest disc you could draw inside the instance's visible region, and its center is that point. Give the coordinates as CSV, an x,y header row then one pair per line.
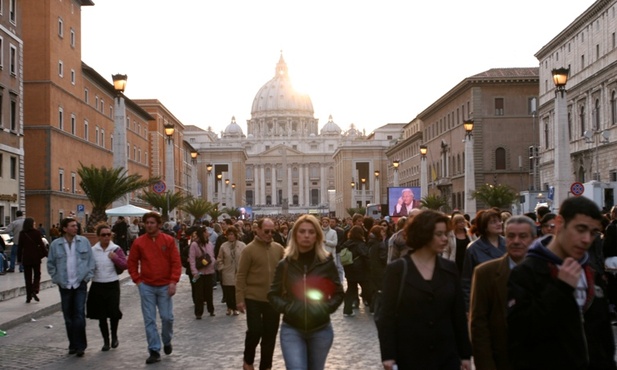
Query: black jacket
x,y
378,256
299,302
359,270
545,327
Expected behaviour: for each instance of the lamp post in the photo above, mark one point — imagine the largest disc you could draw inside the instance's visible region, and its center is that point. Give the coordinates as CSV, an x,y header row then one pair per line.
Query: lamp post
x,y
377,190
194,155
219,193
563,175
233,195
395,164
210,182
470,171
353,188
120,159
169,161
363,182
423,172
226,192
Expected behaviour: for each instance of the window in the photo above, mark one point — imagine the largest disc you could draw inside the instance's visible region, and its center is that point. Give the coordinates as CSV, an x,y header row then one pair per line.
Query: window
x,y
546,134
60,27
102,138
72,38
96,135
96,102
613,107
139,155
596,114
500,159
60,118
60,69
73,182
1,53
582,118
61,180
613,40
102,106
73,123
86,129
1,165
570,126
13,117
13,168
582,61
86,96
499,106
73,76
13,67
1,109
597,52
13,11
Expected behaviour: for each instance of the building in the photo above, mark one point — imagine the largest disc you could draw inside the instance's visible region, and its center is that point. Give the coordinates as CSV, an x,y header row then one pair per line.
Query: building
x,y
12,186
68,114
588,47
499,101
284,163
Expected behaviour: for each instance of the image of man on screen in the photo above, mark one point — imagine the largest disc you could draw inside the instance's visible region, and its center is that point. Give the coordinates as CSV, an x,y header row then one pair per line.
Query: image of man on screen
x,y
405,203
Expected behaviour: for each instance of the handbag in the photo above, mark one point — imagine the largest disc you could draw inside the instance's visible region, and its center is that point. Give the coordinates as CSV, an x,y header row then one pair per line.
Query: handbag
x,y
203,260
41,248
120,260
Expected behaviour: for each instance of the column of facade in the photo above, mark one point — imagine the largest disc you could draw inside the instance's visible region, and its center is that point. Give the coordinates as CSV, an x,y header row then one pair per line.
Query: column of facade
x,y
307,188
301,185
273,184
256,185
289,186
324,181
262,180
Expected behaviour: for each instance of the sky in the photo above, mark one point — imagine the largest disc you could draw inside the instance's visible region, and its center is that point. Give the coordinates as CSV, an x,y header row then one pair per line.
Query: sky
x,y
363,62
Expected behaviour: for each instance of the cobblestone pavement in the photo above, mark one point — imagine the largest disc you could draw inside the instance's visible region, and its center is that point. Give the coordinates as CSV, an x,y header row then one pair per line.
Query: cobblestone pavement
x,y
212,343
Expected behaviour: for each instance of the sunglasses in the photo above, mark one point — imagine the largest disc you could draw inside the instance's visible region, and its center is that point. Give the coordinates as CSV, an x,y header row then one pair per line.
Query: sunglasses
x,y
268,231
105,234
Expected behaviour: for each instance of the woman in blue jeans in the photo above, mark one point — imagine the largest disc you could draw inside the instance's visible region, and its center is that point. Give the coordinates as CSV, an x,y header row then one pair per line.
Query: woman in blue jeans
x,y
306,290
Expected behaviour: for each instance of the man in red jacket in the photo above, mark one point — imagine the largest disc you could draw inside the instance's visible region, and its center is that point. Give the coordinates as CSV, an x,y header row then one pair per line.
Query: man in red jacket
x,y
154,265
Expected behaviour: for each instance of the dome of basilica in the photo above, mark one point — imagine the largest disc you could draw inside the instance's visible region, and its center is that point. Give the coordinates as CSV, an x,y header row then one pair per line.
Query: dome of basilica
x,y
279,96
331,128
233,129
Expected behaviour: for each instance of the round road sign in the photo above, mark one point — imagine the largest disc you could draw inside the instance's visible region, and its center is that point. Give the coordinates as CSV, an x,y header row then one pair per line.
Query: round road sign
x,y
577,189
159,187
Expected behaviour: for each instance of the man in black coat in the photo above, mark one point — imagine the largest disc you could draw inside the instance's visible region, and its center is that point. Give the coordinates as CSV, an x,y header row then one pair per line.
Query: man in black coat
x,y
558,316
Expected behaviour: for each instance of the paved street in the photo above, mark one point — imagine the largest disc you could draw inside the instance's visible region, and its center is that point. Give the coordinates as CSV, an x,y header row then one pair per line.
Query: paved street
x,y
211,343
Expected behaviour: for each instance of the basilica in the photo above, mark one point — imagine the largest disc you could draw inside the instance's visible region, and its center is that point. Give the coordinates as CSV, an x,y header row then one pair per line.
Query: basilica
x,y
284,163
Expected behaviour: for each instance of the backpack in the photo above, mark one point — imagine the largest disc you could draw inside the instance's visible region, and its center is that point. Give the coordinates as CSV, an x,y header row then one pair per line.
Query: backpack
x,y
346,257
378,299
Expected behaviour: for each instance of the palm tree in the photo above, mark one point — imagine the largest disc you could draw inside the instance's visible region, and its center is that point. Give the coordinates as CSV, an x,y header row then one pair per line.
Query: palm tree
x,y
104,185
165,202
500,196
197,207
232,211
353,211
215,213
433,201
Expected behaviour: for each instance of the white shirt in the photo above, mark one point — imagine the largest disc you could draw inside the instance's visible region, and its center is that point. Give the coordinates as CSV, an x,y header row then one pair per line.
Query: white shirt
x,y
71,264
104,269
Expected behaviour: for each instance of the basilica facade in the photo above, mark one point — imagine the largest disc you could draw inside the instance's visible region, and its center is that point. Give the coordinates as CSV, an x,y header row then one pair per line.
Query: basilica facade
x,y
284,163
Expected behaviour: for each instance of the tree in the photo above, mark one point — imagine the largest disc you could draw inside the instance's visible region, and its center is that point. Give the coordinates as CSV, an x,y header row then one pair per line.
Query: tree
x,y
104,185
433,201
353,211
165,202
197,207
215,213
500,196
232,211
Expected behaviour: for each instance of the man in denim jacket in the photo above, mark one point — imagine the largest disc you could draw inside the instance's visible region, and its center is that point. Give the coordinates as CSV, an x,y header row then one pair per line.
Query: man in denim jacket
x,y
71,265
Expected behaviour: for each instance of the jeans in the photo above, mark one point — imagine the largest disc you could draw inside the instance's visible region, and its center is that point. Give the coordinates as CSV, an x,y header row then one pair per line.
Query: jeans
x,y
151,298
305,351
263,324
73,303
14,259
2,259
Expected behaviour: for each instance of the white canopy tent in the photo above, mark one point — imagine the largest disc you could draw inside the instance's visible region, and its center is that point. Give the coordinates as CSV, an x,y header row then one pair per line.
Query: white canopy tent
x,y
127,210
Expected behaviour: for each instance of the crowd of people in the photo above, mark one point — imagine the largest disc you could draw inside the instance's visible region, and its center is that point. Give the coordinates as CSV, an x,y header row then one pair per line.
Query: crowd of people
x,y
535,291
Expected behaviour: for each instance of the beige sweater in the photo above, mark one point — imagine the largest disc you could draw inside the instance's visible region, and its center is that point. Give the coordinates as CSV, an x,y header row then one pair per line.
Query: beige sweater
x,y
258,263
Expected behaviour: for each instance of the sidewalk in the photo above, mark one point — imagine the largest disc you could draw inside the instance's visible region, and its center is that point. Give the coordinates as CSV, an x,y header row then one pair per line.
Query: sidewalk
x,y
13,307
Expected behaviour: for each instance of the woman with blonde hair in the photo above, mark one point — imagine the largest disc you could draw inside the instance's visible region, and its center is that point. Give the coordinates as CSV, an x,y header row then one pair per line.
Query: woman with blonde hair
x,y
306,290
458,240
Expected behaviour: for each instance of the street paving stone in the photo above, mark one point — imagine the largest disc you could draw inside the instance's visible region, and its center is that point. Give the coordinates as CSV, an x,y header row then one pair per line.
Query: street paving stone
x,y
211,343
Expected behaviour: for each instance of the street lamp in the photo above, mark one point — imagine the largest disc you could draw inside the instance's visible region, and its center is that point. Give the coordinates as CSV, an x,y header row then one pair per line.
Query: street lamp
x,y
395,164
169,159
120,158
194,155
233,194
353,188
169,131
470,176
377,189
423,172
563,174
210,182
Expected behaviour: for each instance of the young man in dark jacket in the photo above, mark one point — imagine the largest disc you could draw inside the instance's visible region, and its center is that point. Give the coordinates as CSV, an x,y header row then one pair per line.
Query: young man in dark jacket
x,y
558,315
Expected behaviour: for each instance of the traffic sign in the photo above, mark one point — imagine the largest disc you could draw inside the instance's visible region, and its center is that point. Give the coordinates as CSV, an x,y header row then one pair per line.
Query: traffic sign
x,y
159,187
577,189
81,208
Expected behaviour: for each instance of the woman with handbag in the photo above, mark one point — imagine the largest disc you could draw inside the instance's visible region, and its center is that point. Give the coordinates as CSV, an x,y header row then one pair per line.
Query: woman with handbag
x,y
30,252
104,295
306,290
201,258
227,263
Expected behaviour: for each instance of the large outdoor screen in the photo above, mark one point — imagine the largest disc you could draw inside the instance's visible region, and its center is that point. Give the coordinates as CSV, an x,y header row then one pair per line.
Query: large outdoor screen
x,y
401,200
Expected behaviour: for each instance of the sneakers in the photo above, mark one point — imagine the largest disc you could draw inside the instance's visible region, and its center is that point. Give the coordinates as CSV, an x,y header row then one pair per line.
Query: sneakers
x,y
236,312
168,349
228,312
154,357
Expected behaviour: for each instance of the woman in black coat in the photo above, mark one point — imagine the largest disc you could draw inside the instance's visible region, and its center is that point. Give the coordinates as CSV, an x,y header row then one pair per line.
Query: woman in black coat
x,y
306,290
29,253
427,328
378,256
358,272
